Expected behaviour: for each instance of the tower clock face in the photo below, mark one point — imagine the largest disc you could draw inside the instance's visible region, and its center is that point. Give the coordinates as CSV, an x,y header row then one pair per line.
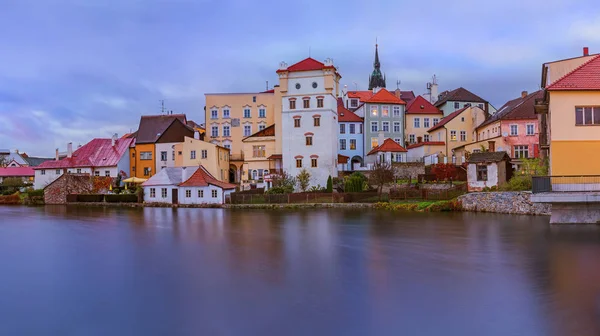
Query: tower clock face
x,y
297,86
314,85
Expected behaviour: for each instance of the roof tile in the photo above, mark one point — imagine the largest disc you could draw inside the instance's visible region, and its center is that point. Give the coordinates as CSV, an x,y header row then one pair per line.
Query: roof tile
x,y
388,145
385,96
585,77
460,94
96,153
346,115
420,105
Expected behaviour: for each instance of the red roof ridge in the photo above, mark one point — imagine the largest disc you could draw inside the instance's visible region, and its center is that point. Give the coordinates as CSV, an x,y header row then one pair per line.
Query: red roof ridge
x,y
202,178
424,104
307,64
554,86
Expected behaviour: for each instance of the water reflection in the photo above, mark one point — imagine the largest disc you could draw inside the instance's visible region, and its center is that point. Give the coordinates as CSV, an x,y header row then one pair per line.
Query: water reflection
x,y
158,271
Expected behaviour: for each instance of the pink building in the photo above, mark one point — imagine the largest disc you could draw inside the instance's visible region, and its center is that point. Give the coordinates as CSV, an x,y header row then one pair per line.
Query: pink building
x,y
513,129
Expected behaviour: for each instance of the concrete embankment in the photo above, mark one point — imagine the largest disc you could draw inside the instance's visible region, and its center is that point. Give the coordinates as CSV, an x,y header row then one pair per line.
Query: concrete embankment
x,y
508,202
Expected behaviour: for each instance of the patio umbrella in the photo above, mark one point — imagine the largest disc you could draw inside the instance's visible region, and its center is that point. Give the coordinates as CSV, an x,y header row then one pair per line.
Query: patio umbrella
x,y
135,180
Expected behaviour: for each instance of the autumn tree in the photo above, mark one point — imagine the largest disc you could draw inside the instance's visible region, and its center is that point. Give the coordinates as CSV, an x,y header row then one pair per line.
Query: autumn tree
x,y
303,179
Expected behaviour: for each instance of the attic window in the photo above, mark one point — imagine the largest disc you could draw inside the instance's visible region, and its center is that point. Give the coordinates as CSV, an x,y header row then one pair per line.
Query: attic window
x,y
422,107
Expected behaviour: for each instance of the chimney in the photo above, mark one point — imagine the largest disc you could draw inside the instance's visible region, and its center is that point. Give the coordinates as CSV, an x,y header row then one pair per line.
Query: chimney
x,y
524,94
196,135
380,139
586,51
397,93
419,139
376,89
70,150
113,141
492,146
56,158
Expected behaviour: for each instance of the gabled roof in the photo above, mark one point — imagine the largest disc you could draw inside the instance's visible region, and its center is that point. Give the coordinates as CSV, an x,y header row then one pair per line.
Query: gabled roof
x,y
346,115
520,108
385,97
388,145
447,119
307,64
193,124
585,77
170,176
96,153
153,126
460,94
268,131
10,156
420,105
486,157
427,143
202,178
363,96
16,171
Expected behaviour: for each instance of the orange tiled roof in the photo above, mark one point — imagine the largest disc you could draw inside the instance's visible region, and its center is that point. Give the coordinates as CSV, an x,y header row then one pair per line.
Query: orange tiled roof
x,y
585,77
388,145
385,96
346,115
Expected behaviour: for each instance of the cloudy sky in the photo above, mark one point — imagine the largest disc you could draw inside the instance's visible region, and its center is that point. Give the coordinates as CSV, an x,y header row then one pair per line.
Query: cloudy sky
x,y
72,70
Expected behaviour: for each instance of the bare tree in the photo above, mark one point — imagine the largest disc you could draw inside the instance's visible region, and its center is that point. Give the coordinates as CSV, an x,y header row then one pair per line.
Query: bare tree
x,y
3,160
382,173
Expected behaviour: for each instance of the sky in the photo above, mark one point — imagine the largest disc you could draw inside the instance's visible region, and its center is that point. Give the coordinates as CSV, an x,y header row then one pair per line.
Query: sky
x,y
74,70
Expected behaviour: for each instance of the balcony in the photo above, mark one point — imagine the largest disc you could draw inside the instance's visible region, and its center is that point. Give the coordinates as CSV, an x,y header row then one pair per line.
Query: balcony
x,y
565,184
236,157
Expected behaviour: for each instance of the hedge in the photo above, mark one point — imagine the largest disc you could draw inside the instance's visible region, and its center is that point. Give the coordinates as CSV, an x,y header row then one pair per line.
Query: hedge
x,y
90,198
121,198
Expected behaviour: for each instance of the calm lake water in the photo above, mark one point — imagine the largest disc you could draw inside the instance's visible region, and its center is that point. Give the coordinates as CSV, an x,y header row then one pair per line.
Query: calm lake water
x,y
155,271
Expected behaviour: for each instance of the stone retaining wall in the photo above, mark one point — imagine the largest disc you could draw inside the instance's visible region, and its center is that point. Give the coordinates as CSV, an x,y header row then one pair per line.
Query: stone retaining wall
x,y
509,202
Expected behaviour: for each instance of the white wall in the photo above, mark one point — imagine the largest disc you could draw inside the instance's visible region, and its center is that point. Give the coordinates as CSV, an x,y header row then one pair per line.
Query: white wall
x,y
325,139
158,197
492,176
42,180
164,147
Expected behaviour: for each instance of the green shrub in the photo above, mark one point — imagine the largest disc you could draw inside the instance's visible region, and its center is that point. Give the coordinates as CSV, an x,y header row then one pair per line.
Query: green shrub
x,y
329,184
36,193
280,190
355,182
121,198
517,183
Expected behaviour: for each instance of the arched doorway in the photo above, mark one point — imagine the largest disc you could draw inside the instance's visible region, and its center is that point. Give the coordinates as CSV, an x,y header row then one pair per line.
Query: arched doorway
x,y
233,178
356,160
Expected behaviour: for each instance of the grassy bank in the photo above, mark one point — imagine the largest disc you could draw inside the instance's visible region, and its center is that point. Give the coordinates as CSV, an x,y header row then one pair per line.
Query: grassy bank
x,y
424,206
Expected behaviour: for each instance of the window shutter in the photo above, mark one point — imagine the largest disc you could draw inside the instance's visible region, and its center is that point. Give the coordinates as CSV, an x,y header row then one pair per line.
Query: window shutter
x,y
536,150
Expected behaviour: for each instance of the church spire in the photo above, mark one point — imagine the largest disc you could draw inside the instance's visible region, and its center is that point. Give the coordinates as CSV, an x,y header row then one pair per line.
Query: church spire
x,y
376,79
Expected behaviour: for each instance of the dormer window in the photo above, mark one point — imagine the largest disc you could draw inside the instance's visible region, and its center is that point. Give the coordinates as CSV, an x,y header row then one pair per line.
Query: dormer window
x,y
353,102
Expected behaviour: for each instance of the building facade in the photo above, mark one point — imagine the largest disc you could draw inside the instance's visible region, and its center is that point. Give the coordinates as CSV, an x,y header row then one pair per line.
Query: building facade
x,y
383,113
420,116
350,137
309,120
193,152
258,164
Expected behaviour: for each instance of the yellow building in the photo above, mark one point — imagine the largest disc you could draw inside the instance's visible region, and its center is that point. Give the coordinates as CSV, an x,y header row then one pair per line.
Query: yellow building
x,y
421,115
573,109
457,130
258,151
231,117
195,152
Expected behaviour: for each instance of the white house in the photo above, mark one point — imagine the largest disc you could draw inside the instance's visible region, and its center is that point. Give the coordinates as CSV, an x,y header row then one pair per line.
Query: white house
x,y
488,169
389,151
186,185
99,157
309,118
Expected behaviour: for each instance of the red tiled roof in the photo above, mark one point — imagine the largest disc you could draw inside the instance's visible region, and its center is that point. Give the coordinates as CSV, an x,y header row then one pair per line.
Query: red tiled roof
x,y
361,95
307,64
385,96
446,119
16,171
202,178
96,153
275,157
343,158
346,115
520,108
585,77
420,105
388,145
428,143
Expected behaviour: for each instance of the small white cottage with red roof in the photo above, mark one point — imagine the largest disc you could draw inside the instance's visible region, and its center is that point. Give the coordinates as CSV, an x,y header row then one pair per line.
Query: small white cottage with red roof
x,y
186,185
389,151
